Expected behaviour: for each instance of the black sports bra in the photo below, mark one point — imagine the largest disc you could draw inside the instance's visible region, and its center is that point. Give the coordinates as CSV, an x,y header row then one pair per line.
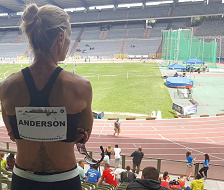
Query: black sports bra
x,y
41,99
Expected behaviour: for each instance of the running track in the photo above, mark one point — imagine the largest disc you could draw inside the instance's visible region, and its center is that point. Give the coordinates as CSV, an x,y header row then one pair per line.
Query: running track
x,y
166,139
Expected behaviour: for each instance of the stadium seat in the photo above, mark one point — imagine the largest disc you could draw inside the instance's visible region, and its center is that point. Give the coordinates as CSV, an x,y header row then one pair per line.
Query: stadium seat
x,y
8,182
4,186
86,187
106,187
91,185
122,186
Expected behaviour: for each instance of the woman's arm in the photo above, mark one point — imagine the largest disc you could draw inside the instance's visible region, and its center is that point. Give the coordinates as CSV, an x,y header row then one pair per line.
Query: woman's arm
x,y
86,122
7,124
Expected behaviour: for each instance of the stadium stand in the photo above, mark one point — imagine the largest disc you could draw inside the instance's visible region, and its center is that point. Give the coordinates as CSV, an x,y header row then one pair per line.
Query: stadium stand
x,y
119,14
9,21
117,34
12,49
104,48
80,17
149,12
205,28
196,8
91,33
179,23
157,29
142,47
9,37
119,28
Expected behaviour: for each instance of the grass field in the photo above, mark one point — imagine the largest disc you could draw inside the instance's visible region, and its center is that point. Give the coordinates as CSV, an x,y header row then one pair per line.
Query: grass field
x,y
124,89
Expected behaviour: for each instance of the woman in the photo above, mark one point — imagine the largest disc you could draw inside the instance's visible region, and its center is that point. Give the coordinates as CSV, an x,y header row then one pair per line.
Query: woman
x,y
109,151
190,162
197,184
181,180
164,180
10,161
3,162
205,167
45,137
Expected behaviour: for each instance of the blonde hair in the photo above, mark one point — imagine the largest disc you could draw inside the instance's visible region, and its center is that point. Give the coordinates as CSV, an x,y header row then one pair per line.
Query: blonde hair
x,y
109,147
42,25
140,148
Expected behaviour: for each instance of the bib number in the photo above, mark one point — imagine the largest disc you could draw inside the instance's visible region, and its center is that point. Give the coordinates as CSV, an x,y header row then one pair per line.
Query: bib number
x,y
42,123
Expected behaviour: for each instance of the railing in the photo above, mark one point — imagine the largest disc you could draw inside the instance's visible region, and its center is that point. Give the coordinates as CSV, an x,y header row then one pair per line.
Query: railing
x,y
174,167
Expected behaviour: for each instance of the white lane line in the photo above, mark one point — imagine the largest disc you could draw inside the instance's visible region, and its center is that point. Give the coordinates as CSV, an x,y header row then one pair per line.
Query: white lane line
x,y
210,140
138,137
161,136
185,154
183,126
170,132
153,128
156,148
131,148
141,143
5,73
102,129
166,134
180,121
193,149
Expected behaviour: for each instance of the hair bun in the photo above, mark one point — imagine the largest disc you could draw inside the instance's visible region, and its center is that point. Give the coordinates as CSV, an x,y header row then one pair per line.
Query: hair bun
x,y
30,13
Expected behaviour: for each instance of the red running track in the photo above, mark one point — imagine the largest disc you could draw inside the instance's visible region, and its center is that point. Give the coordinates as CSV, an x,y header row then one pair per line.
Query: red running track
x,y
166,139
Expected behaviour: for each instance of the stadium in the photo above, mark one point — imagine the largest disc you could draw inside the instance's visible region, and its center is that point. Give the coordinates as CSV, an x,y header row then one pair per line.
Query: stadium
x,y
128,49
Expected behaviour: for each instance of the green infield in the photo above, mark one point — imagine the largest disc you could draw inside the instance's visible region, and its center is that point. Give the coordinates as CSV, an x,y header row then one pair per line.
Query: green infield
x,y
120,89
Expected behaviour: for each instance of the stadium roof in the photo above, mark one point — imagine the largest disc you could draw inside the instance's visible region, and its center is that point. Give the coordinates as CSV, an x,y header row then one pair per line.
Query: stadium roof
x,y
13,6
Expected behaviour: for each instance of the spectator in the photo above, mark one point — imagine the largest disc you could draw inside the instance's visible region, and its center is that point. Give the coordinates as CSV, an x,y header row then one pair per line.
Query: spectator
x,y
137,158
109,151
117,156
164,180
118,172
117,127
81,170
181,180
108,176
93,175
197,184
148,181
175,185
106,159
127,176
3,162
205,167
166,176
10,161
176,74
190,163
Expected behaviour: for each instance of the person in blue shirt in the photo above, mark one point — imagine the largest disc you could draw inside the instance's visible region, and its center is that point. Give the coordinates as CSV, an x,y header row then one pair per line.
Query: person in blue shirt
x,y
205,167
93,175
190,162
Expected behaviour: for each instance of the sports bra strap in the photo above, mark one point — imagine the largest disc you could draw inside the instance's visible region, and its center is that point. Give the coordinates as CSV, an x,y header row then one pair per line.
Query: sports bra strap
x,y
29,81
40,98
47,89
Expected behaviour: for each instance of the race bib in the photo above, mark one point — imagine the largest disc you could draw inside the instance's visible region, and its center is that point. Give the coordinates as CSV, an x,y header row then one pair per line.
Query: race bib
x,y
42,123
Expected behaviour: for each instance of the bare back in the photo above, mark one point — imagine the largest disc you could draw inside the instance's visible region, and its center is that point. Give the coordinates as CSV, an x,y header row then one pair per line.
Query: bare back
x,y
70,91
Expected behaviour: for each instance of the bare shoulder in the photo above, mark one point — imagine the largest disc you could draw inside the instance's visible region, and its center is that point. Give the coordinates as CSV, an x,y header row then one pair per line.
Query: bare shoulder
x,y
77,82
10,84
